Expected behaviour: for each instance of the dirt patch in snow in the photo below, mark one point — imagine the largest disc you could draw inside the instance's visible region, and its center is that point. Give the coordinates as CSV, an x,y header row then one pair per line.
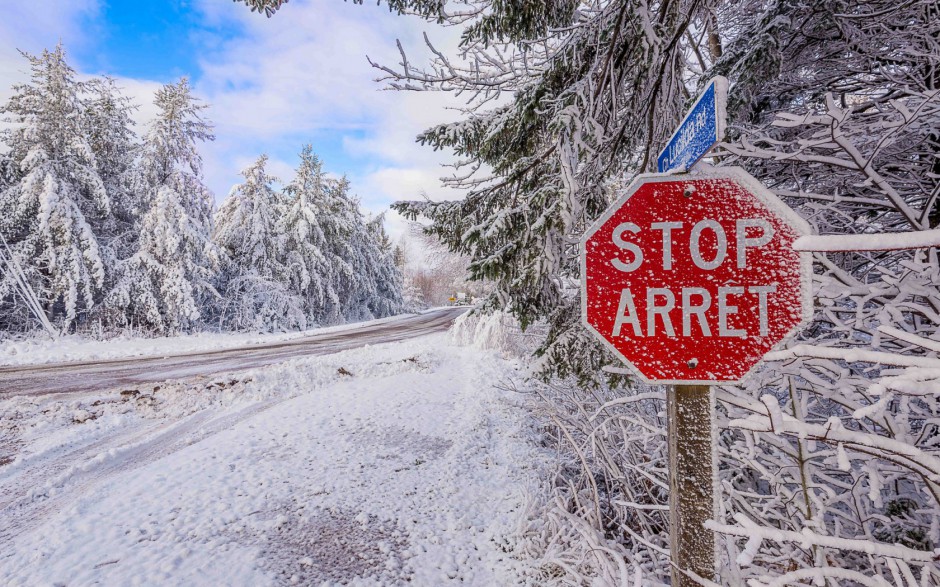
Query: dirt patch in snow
x,y
331,546
399,440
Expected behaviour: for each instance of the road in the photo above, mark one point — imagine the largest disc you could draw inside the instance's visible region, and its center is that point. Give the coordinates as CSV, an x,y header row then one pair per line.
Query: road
x,y
87,376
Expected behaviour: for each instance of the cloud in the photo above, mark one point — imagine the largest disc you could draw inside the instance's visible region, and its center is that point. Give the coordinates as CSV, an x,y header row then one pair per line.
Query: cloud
x,y
303,76
24,28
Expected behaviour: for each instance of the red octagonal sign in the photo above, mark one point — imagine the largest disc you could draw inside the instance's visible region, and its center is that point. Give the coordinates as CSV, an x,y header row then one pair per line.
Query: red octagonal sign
x,y
693,278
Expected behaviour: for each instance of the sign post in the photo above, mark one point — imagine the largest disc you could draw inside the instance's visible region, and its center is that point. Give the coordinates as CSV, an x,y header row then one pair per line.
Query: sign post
x,y
691,280
690,413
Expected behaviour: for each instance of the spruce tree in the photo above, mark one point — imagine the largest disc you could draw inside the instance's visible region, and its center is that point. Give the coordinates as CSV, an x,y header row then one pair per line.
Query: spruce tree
x,y
110,131
108,126
308,257
55,207
379,280
167,283
256,289
342,225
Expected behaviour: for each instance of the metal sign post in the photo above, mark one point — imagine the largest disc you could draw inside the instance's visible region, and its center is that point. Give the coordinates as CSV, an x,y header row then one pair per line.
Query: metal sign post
x,y
690,412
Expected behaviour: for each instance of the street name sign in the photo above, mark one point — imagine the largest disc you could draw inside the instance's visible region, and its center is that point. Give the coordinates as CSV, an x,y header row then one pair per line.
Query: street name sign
x,y
691,279
699,131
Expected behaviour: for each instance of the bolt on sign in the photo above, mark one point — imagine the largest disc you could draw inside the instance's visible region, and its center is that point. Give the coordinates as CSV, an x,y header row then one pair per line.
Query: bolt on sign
x,y
691,279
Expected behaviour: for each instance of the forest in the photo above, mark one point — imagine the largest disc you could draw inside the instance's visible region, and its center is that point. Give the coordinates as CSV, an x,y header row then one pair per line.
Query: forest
x,y
107,233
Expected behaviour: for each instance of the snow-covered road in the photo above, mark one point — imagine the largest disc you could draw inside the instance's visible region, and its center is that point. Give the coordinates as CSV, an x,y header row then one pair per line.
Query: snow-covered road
x,y
390,464
91,374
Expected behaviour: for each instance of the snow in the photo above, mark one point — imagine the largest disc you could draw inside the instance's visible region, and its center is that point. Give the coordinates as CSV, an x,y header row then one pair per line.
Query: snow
x,y
416,467
41,349
920,239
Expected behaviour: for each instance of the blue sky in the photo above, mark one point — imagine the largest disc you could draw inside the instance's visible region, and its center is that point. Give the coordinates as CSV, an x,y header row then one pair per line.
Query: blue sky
x,y
272,84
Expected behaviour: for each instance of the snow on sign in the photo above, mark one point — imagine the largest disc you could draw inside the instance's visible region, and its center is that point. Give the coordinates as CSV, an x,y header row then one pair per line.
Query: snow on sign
x,y
692,279
701,128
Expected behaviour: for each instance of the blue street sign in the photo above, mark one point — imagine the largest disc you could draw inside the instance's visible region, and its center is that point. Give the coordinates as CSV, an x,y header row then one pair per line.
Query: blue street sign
x,y
701,128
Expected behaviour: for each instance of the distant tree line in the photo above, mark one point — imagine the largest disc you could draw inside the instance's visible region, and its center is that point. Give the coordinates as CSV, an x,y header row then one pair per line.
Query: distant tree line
x,y
103,232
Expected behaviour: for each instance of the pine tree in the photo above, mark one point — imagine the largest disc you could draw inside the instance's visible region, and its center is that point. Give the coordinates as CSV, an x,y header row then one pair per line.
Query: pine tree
x,y
343,226
307,256
379,284
256,282
590,106
167,283
340,265
53,211
110,132
109,129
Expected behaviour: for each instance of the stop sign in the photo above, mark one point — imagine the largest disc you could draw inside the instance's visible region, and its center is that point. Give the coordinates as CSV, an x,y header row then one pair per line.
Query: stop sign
x,y
693,278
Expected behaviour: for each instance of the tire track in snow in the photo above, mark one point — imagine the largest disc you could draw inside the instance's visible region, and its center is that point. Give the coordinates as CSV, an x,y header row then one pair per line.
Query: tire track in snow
x,y
103,460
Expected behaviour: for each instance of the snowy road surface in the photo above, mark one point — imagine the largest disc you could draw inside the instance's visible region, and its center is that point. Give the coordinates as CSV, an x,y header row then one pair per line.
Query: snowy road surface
x,y
384,465
90,375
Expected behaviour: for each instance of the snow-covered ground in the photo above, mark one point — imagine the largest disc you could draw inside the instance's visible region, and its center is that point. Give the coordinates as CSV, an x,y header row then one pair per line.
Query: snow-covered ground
x,y
391,464
40,349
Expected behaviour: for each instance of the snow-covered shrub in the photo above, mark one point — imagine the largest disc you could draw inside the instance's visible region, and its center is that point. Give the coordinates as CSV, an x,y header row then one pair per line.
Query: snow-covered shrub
x,y
494,331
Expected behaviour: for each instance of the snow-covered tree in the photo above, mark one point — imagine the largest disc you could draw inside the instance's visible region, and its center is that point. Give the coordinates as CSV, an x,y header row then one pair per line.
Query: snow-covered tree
x,y
53,211
256,288
338,263
378,280
109,128
308,257
597,86
166,284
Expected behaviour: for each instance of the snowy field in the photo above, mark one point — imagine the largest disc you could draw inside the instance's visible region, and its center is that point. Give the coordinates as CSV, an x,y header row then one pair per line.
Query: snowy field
x,y
391,464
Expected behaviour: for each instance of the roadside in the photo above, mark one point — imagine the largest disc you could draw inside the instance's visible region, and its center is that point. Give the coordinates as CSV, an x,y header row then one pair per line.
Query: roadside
x,y
389,464
40,350
78,377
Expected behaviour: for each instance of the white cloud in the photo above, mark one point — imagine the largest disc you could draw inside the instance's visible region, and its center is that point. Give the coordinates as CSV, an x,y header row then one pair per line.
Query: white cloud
x,y
26,28
303,75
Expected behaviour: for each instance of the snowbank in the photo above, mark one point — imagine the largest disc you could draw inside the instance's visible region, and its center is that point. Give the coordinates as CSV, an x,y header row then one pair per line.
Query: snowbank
x,y
41,349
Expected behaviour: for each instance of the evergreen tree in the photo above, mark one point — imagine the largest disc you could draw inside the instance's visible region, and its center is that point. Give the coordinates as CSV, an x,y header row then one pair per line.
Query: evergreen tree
x,y
343,225
109,128
256,283
379,284
340,265
307,256
590,106
168,281
54,210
